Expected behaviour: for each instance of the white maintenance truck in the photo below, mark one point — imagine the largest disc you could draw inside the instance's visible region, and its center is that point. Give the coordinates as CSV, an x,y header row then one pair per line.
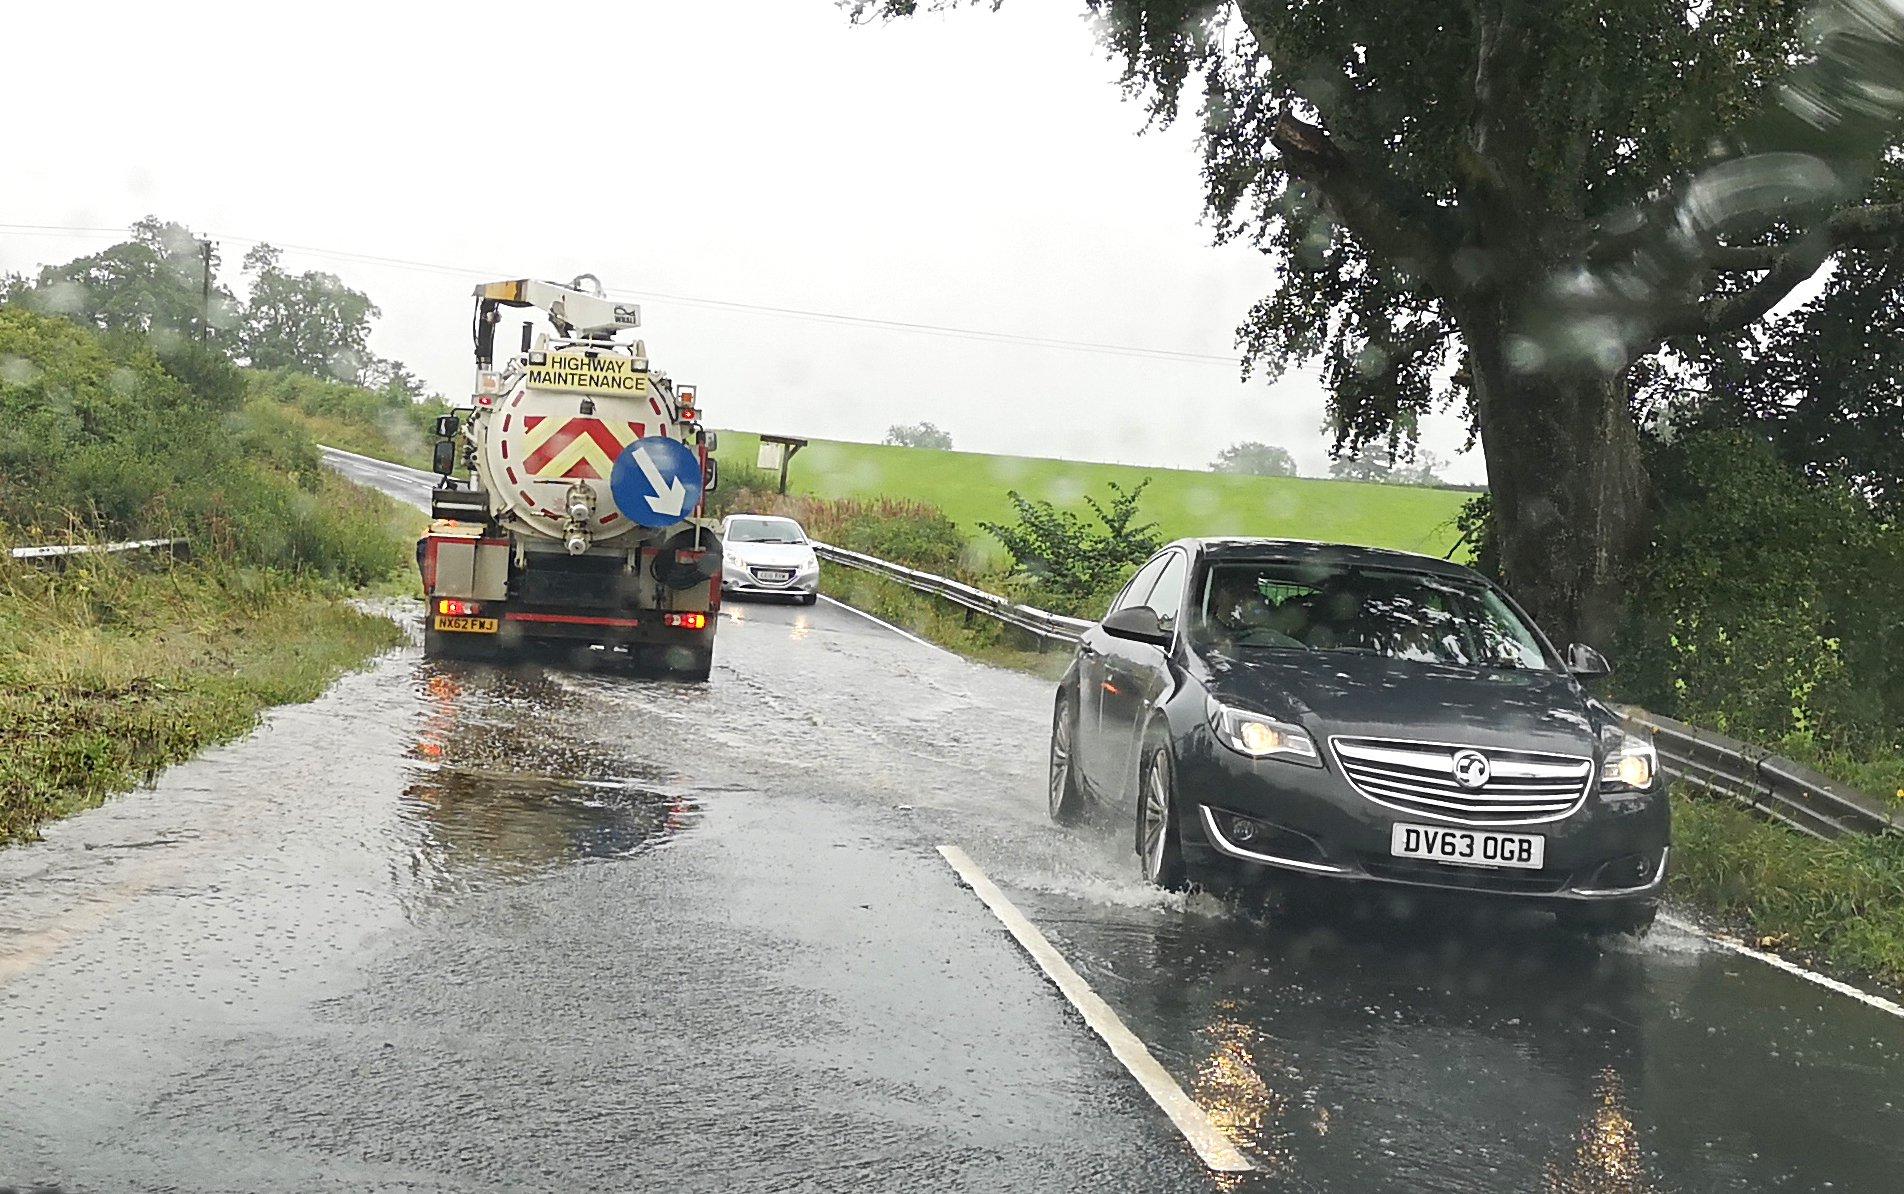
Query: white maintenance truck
x,y
567,515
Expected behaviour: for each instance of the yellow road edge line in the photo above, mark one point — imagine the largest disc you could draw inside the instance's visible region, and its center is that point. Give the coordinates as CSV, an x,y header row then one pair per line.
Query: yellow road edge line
x,y
1203,1135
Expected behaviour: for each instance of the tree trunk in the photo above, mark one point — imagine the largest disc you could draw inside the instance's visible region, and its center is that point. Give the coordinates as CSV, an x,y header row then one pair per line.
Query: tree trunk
x,y
1569,487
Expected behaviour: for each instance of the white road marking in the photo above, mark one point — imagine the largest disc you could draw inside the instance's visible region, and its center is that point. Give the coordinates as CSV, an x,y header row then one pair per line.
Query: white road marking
x,y
906,634
1773,960
1211,1144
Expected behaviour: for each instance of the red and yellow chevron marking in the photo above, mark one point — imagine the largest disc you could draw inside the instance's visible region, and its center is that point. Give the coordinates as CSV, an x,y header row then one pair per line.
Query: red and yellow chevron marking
x,y
578,447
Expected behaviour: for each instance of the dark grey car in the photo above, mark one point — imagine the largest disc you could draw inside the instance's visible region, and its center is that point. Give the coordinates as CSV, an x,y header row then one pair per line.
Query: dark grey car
x,y
1357,714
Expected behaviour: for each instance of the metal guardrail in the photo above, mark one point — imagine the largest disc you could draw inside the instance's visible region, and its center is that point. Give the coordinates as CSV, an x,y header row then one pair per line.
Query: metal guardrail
x,y
1043,624
1785,791
178,549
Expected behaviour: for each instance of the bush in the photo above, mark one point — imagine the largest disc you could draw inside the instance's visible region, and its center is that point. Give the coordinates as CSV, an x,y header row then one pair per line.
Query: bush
x,y
1070,564
1765,608
385,423
102,438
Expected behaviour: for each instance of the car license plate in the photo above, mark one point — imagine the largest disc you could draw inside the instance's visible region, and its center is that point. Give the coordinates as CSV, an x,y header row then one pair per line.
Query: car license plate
x,y
765,574
467,625
1469,847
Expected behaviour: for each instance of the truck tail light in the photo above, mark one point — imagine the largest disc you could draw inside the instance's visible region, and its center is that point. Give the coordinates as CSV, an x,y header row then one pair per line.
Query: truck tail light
x,y
695,621
451,607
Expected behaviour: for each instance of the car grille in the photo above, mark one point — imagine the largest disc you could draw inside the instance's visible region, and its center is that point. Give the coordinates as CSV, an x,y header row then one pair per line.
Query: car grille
x,y
1419,777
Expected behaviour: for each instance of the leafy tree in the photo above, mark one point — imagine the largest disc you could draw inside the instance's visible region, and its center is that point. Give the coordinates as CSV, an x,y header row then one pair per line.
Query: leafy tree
x,y
393,379
1544,196
1364,464
1070,557
309,322
1824,383
1255,459
152,284
1803,641
1387,465
919,435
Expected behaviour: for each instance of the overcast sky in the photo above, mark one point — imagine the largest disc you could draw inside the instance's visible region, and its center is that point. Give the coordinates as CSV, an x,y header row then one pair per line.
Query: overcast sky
x,y
973,170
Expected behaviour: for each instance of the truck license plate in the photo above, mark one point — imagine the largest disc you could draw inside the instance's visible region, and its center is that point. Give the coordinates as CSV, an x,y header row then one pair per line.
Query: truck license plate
x,y
467,625
1469,847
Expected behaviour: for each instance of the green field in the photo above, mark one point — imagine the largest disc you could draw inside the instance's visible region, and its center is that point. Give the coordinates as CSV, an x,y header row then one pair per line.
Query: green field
x,y
970,487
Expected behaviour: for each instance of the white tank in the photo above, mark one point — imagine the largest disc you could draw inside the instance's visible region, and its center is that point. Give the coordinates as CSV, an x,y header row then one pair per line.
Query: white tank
x,y
564,416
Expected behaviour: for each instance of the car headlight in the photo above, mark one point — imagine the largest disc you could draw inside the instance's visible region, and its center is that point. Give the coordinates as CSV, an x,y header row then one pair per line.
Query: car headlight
x,y
1630,764
1262,737
812,564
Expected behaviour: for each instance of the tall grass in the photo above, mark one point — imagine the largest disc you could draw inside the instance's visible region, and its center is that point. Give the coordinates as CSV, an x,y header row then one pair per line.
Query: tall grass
x,y
1842,900
112,669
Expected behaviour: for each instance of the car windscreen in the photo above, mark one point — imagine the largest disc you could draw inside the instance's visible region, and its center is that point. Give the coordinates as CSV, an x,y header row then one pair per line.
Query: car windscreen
x,y
1311,607
765,530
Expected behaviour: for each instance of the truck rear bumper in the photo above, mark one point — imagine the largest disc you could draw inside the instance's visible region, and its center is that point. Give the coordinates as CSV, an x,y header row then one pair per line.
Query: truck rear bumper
x,y
646,629
518,625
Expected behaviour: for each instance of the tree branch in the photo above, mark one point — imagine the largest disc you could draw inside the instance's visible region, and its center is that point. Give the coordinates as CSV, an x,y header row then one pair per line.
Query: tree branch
x,y
1873,226
1800,261
1406,229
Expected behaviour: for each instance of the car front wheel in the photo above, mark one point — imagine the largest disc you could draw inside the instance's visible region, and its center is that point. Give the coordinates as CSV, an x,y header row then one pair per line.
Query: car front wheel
x,y
1159,845
1066,798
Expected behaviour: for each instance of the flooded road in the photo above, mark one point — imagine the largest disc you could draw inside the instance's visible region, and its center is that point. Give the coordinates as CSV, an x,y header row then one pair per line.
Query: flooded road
x,y
454,928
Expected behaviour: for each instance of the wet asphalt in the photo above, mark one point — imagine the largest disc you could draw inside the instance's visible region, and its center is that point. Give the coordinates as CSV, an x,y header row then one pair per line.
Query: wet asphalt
x,y
460,928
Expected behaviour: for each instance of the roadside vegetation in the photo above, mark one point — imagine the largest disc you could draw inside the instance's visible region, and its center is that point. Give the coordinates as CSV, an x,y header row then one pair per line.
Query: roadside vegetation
x,y
1840,902
111,668
388,424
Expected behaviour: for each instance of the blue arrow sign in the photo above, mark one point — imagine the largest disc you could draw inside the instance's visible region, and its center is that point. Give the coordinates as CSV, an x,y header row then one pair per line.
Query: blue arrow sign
x,y
656,481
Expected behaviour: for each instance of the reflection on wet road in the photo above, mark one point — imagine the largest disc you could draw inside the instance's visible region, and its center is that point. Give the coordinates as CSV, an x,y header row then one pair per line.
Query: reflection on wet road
x,y
451,929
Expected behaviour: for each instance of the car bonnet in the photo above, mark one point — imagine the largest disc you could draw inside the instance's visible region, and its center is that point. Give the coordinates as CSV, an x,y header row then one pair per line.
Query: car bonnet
x,y
1364,696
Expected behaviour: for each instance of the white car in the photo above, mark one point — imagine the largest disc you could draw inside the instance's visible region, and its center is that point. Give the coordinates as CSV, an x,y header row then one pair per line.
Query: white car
x,y
764,553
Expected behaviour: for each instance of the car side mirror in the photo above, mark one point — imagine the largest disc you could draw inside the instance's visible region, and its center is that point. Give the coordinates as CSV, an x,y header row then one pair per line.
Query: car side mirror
x,y
443,457
1586,663
1139,624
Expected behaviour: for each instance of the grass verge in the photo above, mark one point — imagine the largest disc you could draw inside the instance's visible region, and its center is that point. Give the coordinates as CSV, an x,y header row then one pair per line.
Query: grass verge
x,y
109,673
1841,901
940,622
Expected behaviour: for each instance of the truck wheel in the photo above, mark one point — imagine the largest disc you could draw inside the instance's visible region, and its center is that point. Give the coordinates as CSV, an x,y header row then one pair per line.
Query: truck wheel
x,y
677,663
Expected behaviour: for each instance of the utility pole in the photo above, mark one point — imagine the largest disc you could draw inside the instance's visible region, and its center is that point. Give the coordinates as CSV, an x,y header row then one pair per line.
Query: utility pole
x,y
205,294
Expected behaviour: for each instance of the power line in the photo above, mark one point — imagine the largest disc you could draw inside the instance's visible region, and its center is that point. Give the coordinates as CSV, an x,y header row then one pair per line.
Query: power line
x,y
984,335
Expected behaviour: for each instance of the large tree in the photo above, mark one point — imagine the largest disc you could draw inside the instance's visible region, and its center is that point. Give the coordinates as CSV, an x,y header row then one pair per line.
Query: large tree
x,y
152,283
1256,459
1526,207
309,322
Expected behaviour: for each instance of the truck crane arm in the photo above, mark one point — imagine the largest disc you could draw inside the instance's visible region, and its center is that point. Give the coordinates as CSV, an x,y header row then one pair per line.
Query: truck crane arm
x,y
573,311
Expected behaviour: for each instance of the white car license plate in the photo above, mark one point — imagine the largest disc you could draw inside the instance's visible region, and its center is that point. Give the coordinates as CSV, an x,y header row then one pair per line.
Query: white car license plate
x,y
1469,847
769,574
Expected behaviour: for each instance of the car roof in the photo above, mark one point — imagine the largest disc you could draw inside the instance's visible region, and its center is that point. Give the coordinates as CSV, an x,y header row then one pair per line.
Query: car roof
x,y
1242,548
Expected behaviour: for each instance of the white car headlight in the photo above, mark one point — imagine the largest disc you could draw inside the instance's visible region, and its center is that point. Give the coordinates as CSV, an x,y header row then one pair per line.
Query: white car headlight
x,y
1262,737
1630,765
